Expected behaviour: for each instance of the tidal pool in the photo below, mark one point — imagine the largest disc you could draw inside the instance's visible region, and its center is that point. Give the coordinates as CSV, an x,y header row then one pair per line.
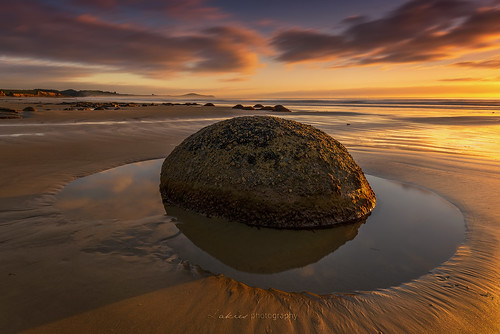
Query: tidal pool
x,y
410,232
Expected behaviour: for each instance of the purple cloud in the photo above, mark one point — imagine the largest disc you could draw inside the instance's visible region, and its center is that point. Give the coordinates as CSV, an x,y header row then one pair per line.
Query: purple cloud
x,y
418,31
39,31
36,72
179,9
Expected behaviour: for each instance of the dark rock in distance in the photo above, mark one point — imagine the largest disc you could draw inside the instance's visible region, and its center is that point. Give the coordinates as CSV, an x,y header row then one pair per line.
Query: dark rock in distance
x,y
280,108
242,107
29,109
267,108
6,113
267,171
209,104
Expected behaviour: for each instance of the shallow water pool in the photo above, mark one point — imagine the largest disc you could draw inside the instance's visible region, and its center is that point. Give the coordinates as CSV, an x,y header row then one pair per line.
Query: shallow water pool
x,y
410,232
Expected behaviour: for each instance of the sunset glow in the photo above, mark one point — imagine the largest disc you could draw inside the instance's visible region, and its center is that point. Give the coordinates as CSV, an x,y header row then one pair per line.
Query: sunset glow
x,y
435,48
264,166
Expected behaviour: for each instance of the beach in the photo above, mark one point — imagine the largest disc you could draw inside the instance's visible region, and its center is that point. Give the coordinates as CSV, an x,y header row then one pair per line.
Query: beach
x,y
50,284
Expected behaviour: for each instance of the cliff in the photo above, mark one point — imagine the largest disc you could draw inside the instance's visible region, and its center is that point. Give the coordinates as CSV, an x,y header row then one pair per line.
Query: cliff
x,y
53,93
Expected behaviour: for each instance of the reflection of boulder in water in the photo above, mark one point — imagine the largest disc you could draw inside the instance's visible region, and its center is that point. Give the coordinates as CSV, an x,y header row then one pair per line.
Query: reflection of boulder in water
x,y
267,171
260,250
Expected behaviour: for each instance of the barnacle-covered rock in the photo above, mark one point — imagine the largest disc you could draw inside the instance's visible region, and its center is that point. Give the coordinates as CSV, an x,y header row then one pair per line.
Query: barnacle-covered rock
x,y
267,171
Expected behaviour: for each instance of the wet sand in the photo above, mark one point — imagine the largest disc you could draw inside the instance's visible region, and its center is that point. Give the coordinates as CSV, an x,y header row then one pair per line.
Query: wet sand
x,y
49,284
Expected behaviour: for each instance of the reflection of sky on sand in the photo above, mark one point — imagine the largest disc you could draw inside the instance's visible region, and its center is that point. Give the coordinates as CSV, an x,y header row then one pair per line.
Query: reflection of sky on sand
x,y
445,126
448,131
124,193
410,232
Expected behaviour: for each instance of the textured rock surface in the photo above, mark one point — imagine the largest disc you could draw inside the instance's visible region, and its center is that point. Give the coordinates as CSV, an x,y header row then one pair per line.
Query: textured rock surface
x,y
267,171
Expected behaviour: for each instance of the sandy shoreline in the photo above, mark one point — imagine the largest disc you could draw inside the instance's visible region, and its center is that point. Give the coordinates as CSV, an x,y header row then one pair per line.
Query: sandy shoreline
x,y
50,286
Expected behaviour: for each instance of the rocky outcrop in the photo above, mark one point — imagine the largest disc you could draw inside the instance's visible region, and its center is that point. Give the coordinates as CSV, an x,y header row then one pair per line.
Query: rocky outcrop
x,y
267,108
277,108
280,108
34,93
267,171
181,104
83,105
6,113
54,93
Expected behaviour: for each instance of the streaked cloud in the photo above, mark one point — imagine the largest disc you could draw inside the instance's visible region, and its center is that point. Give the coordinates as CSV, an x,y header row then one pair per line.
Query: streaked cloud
x,y
40,31
234,79
471,79
491,63
418,31
38,73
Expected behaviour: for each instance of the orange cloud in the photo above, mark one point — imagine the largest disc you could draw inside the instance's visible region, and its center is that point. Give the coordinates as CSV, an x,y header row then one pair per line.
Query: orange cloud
x,y
491,63
467,79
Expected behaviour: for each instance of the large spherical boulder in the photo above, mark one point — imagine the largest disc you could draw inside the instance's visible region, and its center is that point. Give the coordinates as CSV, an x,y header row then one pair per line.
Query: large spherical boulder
x,y
267,171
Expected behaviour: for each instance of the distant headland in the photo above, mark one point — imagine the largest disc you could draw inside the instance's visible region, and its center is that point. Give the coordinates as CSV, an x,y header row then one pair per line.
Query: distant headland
x,y
80,93
192,95
53,93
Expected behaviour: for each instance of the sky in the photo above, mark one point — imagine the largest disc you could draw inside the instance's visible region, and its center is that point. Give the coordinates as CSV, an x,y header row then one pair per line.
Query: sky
x,y
251,49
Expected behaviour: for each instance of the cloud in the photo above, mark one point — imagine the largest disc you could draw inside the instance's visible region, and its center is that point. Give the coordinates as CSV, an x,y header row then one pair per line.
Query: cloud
x,y
234,79
18,72
492,63
297,45
193,9
418,31
468,79
462,79
442,90
355,19
178,9
39,31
